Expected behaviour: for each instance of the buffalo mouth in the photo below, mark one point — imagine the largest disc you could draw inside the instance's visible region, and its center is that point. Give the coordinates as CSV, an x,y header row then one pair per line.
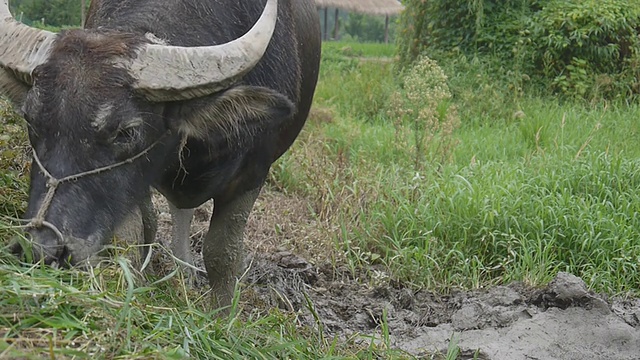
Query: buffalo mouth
x,y
44,244
38,245
26,249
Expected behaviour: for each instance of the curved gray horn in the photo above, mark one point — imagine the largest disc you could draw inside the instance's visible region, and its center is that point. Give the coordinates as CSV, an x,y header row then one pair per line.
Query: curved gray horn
x,y
22,48
170,73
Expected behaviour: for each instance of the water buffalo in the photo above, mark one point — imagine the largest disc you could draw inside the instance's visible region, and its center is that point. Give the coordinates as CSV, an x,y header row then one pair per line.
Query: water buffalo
x,y
196,98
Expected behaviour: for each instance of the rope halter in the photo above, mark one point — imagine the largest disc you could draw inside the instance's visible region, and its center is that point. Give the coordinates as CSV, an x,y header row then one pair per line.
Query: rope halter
x,y
53,183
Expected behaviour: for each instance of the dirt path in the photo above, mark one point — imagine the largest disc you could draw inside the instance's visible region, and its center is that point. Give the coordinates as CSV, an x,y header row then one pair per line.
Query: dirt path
x,y
560,321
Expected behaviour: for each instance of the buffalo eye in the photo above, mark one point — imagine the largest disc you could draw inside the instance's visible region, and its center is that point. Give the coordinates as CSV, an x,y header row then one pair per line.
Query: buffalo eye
x,y
128,134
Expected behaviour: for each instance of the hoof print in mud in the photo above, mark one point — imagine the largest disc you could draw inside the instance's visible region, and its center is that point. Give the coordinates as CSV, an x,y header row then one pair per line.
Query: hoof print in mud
x,y
279,280
291,261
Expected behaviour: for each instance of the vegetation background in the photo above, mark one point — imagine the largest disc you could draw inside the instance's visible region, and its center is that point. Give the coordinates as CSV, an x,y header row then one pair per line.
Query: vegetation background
x,y
57,14
585,49
497,142
54,13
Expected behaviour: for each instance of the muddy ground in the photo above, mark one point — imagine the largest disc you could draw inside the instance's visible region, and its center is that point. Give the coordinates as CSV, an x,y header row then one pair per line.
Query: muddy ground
x,y
290,254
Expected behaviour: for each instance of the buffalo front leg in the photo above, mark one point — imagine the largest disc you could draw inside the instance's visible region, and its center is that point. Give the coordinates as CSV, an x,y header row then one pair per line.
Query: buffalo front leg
x,y
149,227
180,237
222,249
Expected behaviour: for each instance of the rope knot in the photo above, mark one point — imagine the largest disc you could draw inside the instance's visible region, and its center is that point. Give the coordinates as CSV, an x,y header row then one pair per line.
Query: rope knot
x,y
53,182
35,223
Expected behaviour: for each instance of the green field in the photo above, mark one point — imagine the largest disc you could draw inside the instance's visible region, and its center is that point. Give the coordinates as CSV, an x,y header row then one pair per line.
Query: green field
x,y
495,186
528,186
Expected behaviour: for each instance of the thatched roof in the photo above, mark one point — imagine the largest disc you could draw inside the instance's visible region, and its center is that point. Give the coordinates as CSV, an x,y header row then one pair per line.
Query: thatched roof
x,y
372,7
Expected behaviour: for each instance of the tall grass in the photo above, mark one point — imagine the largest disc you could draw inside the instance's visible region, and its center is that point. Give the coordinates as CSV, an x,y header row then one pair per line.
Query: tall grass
x,y
113,312
13,162
367,90
534,186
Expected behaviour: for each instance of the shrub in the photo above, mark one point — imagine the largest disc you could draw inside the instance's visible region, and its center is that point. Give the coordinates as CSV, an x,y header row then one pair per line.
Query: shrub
x,y
588,48
424,103
581,49
368,28
485,26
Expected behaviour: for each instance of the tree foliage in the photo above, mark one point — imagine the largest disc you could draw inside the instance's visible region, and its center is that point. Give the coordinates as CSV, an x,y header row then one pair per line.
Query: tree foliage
x,y
358,27
588,45
368,28
575,46
465,25
57,13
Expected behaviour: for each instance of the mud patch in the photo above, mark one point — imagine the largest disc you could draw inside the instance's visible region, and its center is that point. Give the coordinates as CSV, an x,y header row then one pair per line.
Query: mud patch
x,y
291,268
559,321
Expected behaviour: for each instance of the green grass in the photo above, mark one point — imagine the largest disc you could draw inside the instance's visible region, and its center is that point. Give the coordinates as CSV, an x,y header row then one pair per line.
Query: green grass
x,y
113,312
496,219
520,198
365,93
13,162
375,50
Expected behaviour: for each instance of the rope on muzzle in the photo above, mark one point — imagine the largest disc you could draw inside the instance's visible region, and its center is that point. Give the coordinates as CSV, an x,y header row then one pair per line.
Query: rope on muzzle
x,y
53,183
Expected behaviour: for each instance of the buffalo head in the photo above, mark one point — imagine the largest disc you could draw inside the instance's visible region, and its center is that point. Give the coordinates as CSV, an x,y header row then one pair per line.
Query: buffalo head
x,y
98,104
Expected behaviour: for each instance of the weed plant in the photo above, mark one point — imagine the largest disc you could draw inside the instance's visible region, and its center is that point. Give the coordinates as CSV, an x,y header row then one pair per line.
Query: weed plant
x,y
422,105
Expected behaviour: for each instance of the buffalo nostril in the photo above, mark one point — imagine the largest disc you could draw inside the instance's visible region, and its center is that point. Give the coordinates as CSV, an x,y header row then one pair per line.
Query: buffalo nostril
x,y
24,248
43,244
48,254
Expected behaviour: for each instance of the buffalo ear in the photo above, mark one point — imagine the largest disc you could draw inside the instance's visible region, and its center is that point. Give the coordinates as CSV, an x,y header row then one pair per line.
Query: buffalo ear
x,y
236,113
12,88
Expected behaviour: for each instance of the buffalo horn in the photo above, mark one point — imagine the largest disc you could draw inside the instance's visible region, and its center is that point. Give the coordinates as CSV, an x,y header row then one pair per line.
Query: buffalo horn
x,y
22,48
171,73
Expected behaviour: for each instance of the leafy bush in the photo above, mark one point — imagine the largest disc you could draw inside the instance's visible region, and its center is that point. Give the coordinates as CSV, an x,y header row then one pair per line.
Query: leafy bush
x,y
588,48
486,26
581,49
368,28
485,91
354,27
